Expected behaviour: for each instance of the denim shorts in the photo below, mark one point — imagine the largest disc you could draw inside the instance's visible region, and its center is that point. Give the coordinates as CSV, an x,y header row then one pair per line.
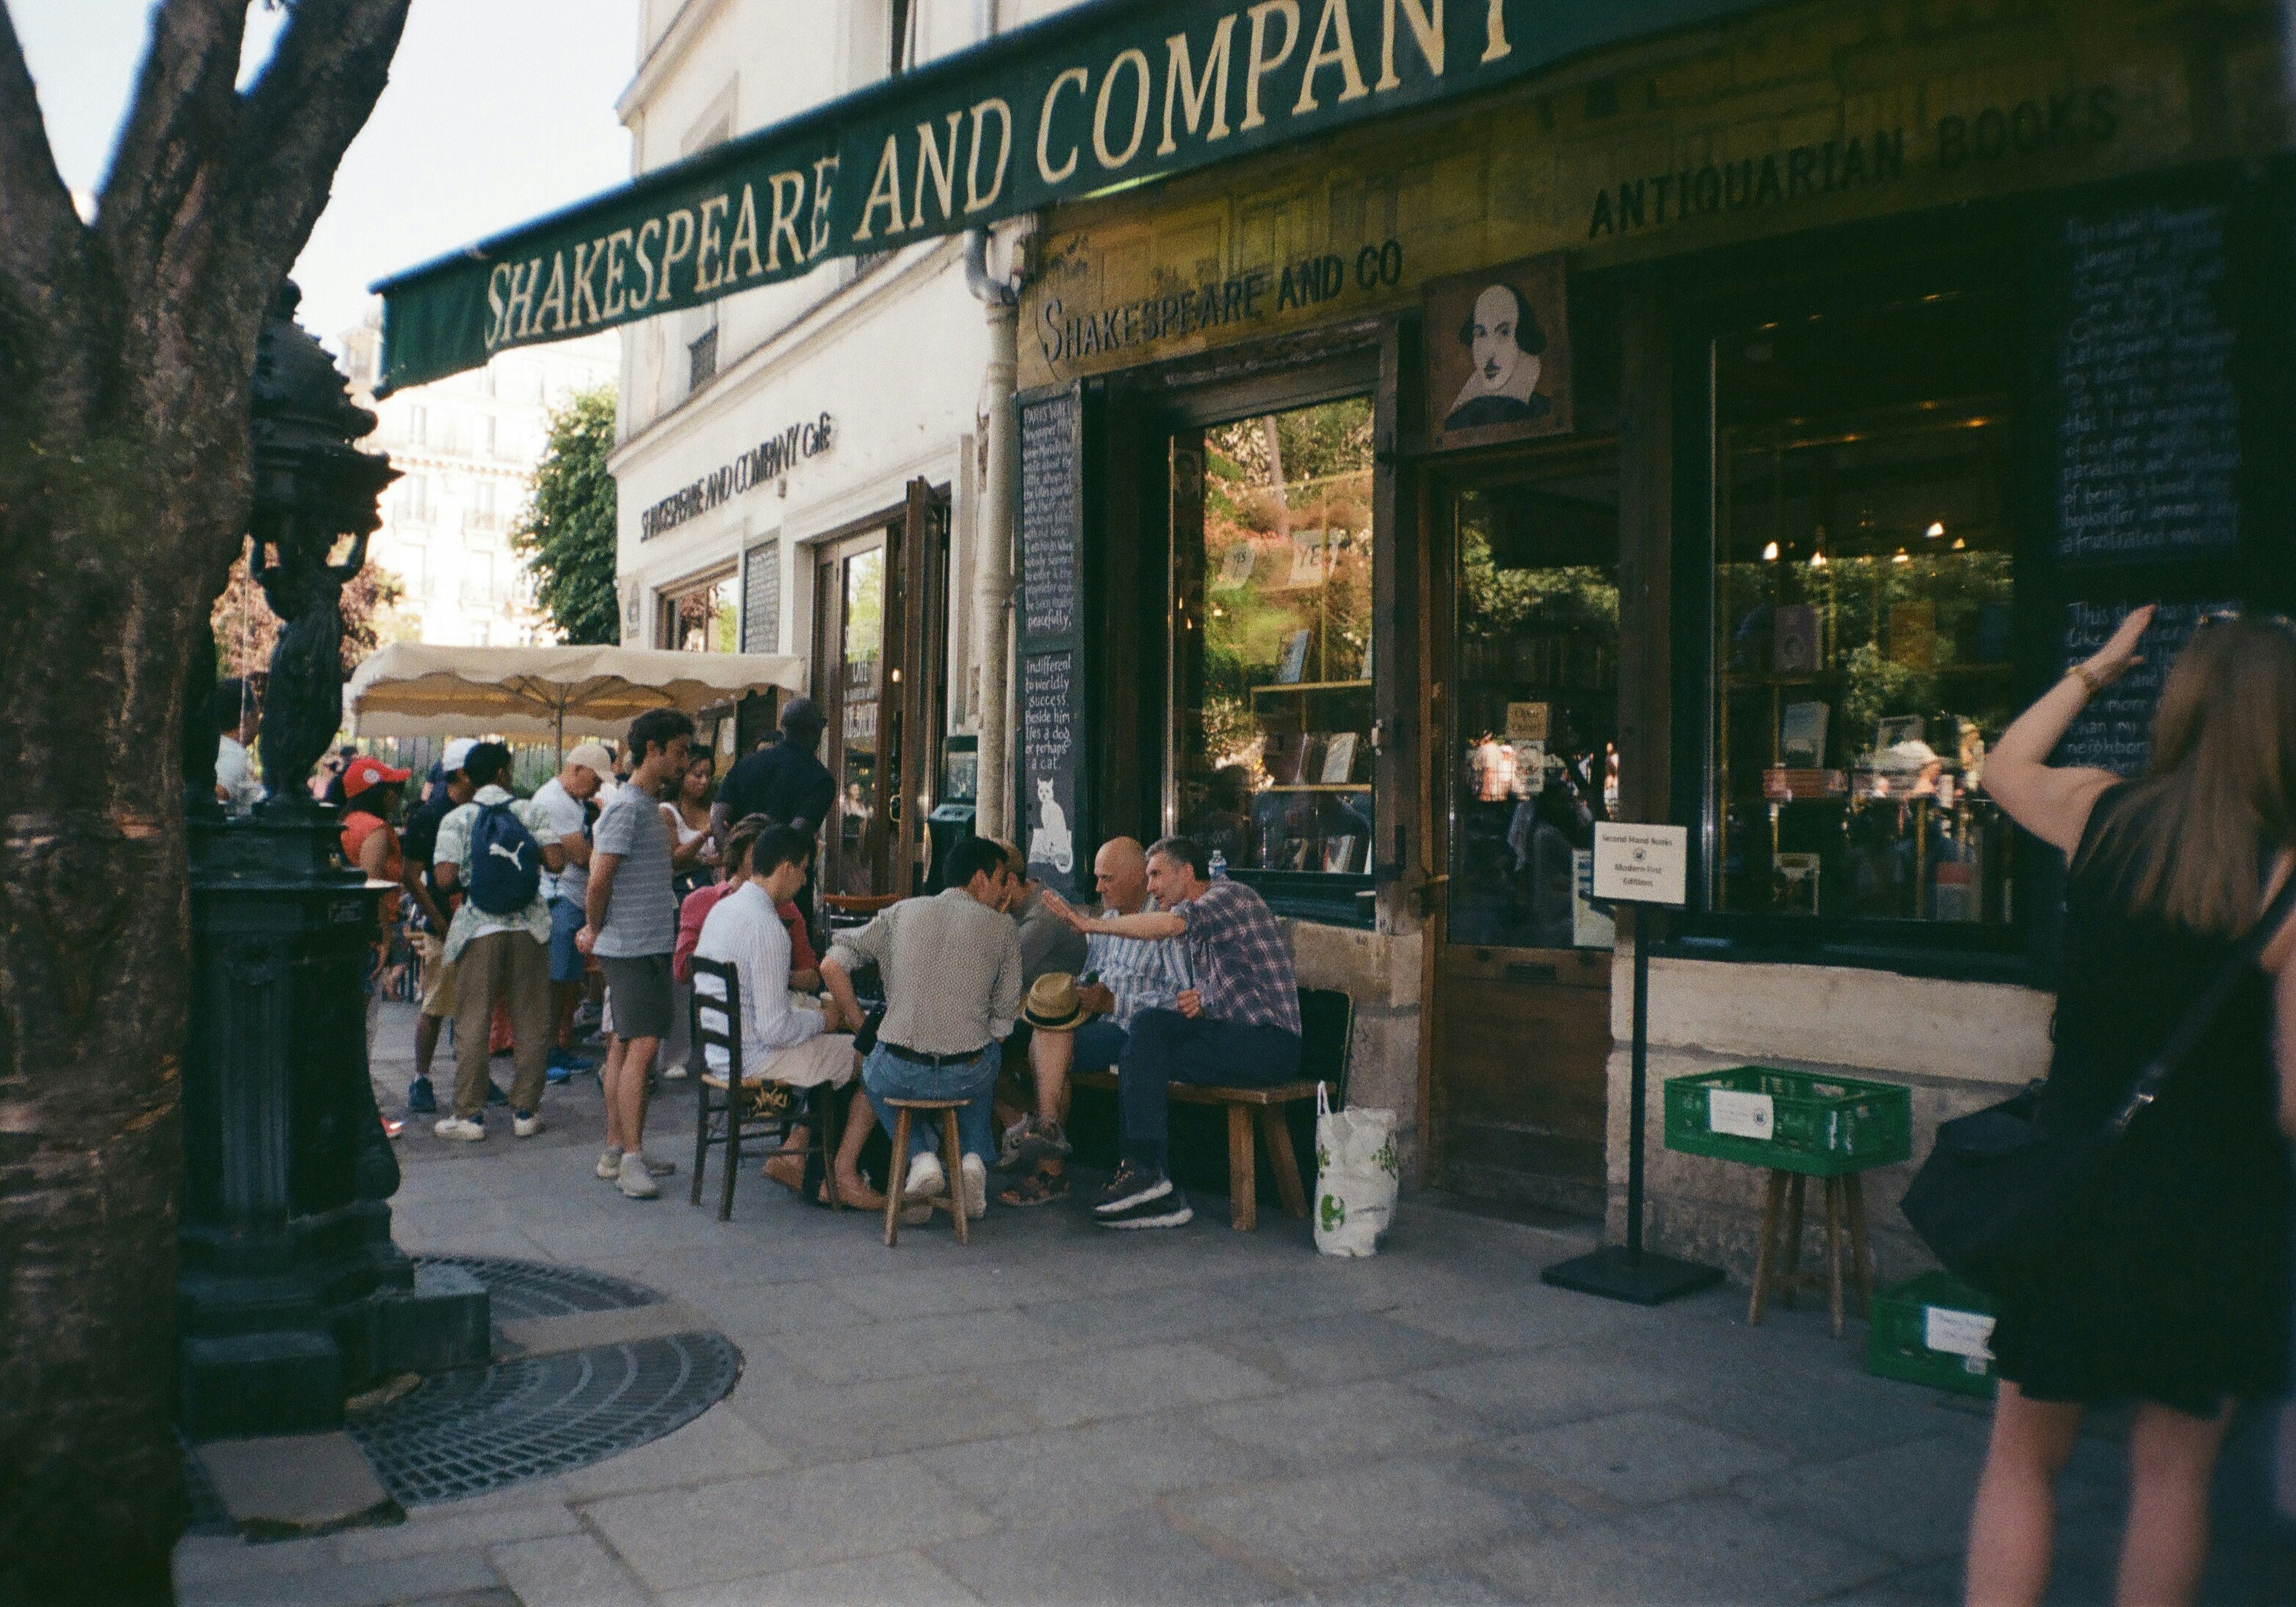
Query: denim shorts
x,y
567,962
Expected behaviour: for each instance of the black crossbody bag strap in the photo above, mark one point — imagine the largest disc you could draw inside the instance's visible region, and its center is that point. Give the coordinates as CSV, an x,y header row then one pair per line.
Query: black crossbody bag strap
x,y
2197,1020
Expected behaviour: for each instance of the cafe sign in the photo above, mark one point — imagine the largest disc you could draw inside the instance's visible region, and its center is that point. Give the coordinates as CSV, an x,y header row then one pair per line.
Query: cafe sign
x,y
1105,94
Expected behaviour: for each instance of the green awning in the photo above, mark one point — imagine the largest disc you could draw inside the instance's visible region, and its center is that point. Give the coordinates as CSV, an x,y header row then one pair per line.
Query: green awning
x,y
1109,93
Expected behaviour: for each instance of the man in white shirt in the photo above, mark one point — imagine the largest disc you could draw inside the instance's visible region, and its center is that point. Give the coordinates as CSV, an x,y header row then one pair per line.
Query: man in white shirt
x,y
561,799
781,1041
495,951
239,720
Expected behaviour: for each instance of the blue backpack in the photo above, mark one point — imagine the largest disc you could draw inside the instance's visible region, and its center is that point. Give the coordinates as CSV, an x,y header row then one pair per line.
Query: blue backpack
x,y
505,868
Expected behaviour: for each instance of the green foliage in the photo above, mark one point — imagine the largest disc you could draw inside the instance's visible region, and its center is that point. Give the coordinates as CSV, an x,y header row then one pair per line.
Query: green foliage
x,y
567,531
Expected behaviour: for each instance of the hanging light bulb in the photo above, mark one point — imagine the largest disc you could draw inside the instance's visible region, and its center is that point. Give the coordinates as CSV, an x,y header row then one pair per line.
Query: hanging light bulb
x,y
1935,530
1817,561
1770,553
1959,545
1901,557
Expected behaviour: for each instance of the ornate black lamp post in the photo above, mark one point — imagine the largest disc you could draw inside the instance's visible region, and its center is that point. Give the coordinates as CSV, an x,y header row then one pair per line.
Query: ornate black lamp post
x,y
292,1294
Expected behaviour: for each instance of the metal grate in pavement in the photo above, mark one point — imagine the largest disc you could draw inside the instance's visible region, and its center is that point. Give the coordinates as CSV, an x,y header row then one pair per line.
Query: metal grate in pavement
x,y
531,1289
466,1433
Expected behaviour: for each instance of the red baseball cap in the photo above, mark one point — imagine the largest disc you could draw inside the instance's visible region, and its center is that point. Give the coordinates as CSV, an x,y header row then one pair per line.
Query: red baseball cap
x,y
367,771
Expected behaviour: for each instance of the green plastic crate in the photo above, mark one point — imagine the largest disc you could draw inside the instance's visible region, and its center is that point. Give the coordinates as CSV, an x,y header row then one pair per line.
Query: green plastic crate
x,y
1826,1127
1897,1339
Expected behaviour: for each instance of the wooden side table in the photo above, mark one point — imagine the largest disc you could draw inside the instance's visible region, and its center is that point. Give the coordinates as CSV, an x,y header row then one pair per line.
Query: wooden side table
x,y
1778,1266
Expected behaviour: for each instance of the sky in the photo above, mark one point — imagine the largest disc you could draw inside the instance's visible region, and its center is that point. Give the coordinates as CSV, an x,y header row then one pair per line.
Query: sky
x,y
498,111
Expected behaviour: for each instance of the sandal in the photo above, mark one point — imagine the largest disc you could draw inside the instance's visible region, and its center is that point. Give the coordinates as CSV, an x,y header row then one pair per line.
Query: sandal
x,y
1039,1188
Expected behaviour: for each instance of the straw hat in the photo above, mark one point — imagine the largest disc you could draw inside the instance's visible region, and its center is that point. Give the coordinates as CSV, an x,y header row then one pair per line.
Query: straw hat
x,y
1052,1004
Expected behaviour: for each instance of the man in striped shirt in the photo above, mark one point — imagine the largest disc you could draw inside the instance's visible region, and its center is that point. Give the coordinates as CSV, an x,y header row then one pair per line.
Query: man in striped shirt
x,y
1128,975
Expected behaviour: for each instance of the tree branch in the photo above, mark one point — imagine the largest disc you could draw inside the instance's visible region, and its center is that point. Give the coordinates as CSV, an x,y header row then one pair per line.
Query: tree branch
x,y
315,94
39,228
178,125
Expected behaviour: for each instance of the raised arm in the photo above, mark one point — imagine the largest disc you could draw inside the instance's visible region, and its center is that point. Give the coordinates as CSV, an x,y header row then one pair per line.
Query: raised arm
x,y
2053,802
1147,924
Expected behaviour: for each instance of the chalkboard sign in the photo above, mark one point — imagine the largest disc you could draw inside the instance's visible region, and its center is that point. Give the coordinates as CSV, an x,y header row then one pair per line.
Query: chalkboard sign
x,y
2148,423
1048,758
1052,692
2115,732
1051,508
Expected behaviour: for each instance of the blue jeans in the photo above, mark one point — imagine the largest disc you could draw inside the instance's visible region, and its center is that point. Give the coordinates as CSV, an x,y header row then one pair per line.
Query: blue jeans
x,y
566,961
1166,1047
885,1075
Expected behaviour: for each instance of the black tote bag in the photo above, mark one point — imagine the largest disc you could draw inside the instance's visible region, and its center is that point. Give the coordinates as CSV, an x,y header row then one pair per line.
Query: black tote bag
x,y
1992,1196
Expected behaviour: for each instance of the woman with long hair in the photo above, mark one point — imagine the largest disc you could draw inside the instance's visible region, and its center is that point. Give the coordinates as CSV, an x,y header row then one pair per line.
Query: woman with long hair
x,y
2169,1287
694,861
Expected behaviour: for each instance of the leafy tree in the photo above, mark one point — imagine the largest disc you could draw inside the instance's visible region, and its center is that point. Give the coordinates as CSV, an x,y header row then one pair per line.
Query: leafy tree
x,y
128,345
568,533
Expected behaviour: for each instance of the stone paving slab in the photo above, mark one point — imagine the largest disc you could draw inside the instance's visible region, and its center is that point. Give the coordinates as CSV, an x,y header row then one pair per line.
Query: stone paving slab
x,y
294,1483
1055,1414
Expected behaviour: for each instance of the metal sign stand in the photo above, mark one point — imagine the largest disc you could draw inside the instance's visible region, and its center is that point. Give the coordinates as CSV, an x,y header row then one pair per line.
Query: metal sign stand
x,y
1630,1274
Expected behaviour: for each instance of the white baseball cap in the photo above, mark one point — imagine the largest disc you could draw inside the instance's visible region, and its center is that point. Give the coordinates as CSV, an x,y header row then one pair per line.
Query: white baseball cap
x,y
456,752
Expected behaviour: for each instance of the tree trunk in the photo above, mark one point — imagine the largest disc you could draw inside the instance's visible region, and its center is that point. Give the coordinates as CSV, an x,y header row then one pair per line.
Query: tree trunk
x,y
127,355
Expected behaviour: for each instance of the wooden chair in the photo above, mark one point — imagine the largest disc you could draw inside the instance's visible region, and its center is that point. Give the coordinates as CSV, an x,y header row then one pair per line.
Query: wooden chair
x,y
723,1099
952,1161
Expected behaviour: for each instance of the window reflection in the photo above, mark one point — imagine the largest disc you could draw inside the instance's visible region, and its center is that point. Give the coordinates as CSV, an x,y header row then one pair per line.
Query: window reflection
x,y
1275,722
1535,716
1863,613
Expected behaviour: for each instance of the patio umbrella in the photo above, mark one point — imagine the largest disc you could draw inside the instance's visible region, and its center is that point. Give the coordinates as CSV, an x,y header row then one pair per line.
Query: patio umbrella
x,y
409,689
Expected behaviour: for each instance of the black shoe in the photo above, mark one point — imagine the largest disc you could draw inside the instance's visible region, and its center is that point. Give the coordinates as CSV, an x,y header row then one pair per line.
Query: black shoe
x,y
420,1100
1133,1185
1168,1210
495,1095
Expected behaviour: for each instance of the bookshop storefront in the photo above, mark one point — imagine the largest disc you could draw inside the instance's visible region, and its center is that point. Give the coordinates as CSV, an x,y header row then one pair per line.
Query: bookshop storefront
x,y
1732,429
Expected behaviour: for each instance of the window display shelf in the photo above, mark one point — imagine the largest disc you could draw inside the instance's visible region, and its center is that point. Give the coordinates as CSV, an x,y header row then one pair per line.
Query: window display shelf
x,y
1313,686
1317,786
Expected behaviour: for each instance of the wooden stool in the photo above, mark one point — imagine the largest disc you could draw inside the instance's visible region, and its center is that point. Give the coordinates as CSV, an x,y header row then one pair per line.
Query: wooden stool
x,y
1845,1201
952,1161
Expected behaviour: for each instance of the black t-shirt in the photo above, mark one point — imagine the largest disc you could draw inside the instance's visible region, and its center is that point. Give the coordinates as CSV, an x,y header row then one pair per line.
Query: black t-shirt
x,y
418,836
783,781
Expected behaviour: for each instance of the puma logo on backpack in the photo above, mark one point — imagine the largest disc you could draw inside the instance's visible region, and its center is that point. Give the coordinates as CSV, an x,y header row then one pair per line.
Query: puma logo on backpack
x,y
505,861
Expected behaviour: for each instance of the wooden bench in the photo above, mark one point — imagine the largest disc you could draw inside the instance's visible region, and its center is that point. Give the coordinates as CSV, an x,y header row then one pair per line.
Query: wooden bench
x,y
1326,1035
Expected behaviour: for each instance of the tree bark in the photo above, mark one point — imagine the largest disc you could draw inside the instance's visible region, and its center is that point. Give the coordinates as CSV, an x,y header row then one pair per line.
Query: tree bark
x,y
127,355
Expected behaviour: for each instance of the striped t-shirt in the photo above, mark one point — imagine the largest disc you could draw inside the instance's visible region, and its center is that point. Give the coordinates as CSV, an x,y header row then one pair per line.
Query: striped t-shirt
x,y
641,910
1143,973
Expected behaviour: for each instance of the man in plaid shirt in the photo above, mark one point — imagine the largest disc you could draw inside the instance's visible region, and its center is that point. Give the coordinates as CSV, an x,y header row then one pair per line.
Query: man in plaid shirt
x,y
1238,1027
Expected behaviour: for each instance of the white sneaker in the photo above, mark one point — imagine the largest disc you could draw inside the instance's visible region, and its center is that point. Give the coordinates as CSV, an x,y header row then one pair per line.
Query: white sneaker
x,y
659,1168
638,1182
976,1187
673,1074
609,1162
460,1130
525,1127
925,1178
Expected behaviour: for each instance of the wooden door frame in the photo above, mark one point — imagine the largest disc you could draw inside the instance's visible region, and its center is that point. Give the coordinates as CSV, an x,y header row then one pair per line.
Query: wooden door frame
x,y
829,557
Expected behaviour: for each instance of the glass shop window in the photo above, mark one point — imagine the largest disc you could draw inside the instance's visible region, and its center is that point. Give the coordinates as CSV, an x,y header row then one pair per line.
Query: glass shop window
x,y
1273,696
700,617
1862,613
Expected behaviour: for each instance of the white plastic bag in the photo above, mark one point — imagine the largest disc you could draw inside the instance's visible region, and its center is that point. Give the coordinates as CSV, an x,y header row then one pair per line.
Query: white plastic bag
x,y
1356,1178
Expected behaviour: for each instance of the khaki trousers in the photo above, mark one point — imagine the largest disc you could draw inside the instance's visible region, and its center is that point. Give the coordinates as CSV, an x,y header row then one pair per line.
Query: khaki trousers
x,y
514,966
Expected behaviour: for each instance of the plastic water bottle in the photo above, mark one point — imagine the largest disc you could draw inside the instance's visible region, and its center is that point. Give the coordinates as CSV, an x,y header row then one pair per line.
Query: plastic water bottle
x,y
1219,866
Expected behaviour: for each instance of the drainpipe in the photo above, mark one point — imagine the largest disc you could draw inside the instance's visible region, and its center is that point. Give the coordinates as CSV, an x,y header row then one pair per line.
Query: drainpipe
x,y
992,567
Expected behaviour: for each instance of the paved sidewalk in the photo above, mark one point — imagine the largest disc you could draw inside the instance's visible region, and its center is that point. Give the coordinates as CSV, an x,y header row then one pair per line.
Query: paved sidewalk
x,y
1059,1415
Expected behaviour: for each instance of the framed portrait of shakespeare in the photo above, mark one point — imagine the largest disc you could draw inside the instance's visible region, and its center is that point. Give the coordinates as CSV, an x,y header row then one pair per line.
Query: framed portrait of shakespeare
x,y
1498,355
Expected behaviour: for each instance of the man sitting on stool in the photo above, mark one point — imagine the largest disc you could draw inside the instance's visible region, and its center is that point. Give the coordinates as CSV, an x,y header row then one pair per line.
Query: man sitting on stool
x,y
1238,1027
1083,1027
951,965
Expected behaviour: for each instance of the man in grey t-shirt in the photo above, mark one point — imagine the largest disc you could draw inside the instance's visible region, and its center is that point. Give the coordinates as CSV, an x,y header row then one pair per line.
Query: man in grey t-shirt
x,y
631,927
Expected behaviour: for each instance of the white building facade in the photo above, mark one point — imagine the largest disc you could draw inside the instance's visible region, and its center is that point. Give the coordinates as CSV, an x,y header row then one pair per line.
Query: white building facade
x,y
802,467
467,448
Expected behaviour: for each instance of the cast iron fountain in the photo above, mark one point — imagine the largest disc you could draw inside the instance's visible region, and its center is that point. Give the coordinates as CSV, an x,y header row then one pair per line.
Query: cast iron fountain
x,y
292,1295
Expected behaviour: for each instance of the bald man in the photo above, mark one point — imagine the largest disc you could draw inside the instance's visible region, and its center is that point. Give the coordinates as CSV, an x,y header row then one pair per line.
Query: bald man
x,y
1128,975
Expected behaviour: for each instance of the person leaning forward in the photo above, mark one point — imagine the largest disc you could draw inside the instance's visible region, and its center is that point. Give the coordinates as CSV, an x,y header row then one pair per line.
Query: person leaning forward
x,y
495,954
1239,1025
951,965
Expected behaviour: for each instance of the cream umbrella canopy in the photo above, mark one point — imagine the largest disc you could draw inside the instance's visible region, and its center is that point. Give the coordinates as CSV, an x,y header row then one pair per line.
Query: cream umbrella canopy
x,y
409,689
